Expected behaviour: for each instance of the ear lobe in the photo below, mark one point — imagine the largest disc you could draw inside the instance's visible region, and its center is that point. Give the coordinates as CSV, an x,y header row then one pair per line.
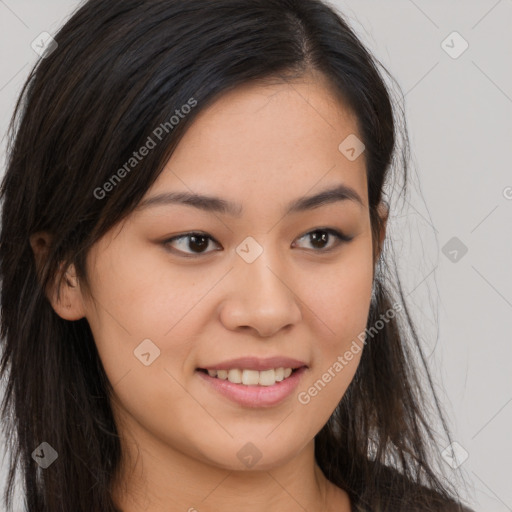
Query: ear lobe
x,y
64,295
68,304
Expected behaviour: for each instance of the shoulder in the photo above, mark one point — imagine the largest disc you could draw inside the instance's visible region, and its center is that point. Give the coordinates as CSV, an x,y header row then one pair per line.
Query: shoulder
x,y
457,507
397,493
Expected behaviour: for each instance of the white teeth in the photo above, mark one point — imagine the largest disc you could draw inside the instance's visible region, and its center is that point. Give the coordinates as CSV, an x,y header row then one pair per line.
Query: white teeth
x,y
252,377
267,378
222,374
279,374
235,376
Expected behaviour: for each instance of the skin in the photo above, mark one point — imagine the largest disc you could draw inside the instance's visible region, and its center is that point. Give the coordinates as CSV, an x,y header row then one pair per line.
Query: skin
x,y
262,146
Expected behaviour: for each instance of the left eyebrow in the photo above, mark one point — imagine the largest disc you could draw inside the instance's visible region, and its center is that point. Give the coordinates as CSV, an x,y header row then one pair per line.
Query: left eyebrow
x,y
328,196
223,206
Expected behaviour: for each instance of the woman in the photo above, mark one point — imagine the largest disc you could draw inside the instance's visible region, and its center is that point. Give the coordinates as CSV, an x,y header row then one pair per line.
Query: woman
x,y
196,313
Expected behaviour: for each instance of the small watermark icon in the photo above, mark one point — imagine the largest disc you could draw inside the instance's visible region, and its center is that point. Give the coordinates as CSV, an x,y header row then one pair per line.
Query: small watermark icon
x,y
45,455
507,193
249,249
249,455
454,45
44,45
146,352
454,249
454,455
351,147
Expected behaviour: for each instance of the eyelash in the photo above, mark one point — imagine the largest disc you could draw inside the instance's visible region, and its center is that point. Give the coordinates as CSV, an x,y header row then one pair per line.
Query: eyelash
x,y
341,238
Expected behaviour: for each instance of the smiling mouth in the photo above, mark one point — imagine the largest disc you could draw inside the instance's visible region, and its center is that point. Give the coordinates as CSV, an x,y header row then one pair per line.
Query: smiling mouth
x,y
251,377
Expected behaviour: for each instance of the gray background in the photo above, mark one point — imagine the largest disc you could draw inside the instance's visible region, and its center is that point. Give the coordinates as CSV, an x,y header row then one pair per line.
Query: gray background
x,y
459,115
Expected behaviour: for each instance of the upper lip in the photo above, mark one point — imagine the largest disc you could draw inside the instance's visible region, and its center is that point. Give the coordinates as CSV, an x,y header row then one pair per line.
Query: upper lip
x,y
256,363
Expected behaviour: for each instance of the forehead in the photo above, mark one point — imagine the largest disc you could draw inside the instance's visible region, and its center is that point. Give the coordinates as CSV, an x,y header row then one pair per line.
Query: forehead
x,y
267,140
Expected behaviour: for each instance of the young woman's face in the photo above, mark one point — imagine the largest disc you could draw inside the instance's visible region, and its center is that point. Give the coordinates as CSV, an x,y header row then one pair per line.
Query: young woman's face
x,y
257,280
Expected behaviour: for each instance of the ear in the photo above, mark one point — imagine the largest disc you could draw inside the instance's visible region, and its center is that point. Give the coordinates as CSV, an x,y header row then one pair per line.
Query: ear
x,y
383,211
69,305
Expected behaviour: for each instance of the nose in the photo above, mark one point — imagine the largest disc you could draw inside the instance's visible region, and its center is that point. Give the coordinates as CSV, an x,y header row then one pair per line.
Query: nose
x,y
260,298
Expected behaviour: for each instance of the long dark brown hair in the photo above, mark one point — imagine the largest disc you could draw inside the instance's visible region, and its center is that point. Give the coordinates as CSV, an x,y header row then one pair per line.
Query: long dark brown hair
x,y
121,69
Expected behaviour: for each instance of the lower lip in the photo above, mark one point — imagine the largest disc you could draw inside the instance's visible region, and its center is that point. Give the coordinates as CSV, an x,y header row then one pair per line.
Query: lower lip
x,y
255,396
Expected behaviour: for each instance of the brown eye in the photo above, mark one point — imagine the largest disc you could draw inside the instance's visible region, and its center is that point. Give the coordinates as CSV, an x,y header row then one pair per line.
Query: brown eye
x,y
190,244
320,239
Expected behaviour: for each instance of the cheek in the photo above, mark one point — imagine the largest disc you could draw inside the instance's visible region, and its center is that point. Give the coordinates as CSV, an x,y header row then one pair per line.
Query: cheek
x,y
340,296
140,294
144,322
339,312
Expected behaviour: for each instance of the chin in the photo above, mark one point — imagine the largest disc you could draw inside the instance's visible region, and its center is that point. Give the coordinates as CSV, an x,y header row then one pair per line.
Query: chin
x,y
245,454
